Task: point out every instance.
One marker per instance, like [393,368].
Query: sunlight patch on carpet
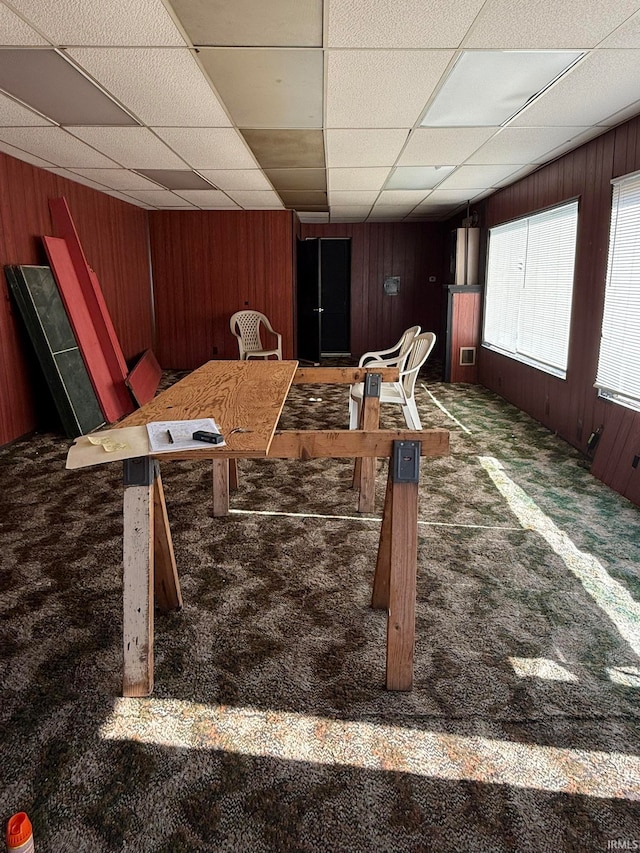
[544,668]
[610,595]
[287,736]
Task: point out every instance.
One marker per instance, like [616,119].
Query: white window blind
[530,288]
[618,375]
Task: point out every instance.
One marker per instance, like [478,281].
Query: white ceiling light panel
[94,22]
[511,77]
[161,86]
[367,148]
[56,146]
[131,147]
[381,88]
[205,148]
[399,23]
[417,177]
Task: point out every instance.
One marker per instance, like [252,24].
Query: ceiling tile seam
[26,21]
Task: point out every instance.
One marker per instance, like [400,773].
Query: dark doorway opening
[324,298]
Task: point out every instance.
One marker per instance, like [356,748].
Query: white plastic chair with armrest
[401,392]
[400,350]
[245,325]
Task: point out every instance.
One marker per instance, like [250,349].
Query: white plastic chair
[245,325]
[400,349]
[401,392]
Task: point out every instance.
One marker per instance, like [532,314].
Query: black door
[335,276]
[309,306]
[324,297]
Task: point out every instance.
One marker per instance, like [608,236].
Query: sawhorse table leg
[149,569]
[394,586]
[364,470]
[220,487]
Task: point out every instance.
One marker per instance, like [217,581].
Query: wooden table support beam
[394,586]
[149,569]
[364,469]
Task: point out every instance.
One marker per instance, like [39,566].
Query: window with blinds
[618,375]
[529,288]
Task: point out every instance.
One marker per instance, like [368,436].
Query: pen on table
[169,436]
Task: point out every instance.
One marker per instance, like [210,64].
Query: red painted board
[82,325]
[94,299]
[144,378]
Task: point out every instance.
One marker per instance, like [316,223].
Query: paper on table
[181,432]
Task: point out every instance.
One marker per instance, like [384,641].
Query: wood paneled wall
[414,251]
[572,407]
[208,265]
[114,238]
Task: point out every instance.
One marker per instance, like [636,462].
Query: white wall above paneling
[274,102]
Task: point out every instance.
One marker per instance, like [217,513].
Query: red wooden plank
[82,325]
[94,299]
[144,378]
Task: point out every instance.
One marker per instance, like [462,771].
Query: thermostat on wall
[392,285]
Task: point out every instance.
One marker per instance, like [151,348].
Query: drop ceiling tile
[305,216]
[268,87]
[13,114]
[381,88]
[311,208]
[161,86]
[160,199]
[434,146]
[355,211]
[399,23]
[368,148]
[15,31]
[208,147]
[208,199]
[56,146]
[603,83]
[286,148]
[620,116]
[118,22]
[513,177]
[129,199]
[357,179]
[307,199]
[388,214]
[574,142]
[449,197]
[478,177]
[626,35]
[397,198]
[47,82]
[24,155]
[117,179]
[256,200]
[237,179]
[177,179]
[360,198]
[293,23]
[546,24]
[297,179]
[79,179]
[131,147]
[525,144]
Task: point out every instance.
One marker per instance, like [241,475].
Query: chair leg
[411,415]
[354,413]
